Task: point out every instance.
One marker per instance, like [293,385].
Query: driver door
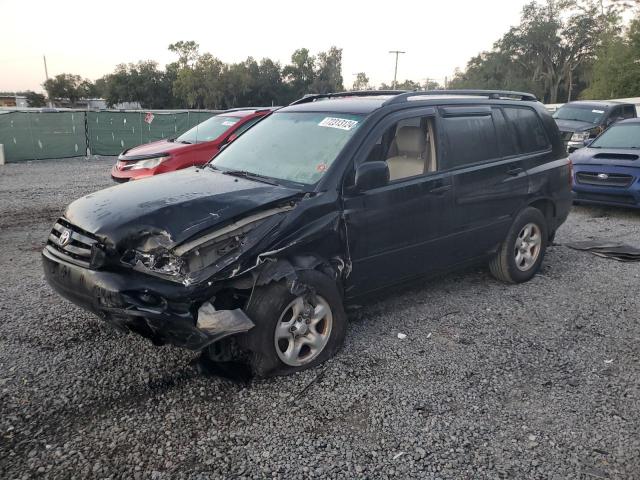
[397,231]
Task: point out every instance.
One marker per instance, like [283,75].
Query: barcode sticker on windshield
[597,111]
[341,123]
[228,123]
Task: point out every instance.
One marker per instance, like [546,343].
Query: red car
[194,147]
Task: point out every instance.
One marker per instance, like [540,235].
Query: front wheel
[294,332]
[520,255]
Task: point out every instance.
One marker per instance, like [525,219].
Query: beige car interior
[412,152]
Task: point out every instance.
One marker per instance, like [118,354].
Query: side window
[629,111]
[241,129]
[408,147]
[615,114]
[528,127]
[507,141]
[469,139]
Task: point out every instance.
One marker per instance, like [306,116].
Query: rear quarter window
[529,131]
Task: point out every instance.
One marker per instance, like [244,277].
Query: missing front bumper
[159,310]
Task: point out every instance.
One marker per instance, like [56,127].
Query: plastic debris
[402,336]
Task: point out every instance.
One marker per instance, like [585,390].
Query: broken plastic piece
[218,324]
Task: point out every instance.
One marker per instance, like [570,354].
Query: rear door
[481,151]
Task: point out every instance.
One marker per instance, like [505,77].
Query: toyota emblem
[603,176]
[65,238]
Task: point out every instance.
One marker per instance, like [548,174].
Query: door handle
[439,190]
[514,172]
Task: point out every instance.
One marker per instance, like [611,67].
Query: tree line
[560,50]
[200,80]
[563,50]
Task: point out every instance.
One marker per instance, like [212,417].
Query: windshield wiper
[250,176]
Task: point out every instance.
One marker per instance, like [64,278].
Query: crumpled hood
[172,207]
[606,156]
[573,125]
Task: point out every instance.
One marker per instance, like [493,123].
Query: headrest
[410,141]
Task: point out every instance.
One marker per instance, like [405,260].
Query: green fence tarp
[40,135]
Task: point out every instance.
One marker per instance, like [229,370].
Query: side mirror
[371,175]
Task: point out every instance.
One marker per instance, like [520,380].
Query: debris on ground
[608,249]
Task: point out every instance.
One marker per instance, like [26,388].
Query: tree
[554,39]
[201,86]
[269,88]
[34,99]
[328,72]
[140,82]
[187,52]
[299,74]
[361,82]
[408,85]
[66,86]
[549,52]
[616,72]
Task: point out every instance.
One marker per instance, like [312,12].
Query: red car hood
[161,146]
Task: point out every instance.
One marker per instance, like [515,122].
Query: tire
[510,267]
[274,306]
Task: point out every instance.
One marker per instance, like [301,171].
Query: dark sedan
[607,172]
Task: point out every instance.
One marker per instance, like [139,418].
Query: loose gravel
[540,380]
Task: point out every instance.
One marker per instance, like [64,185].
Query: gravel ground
[540,380]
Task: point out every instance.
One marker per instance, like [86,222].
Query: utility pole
[46,74]
[395,72]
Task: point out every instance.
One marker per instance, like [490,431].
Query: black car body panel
[194,199]
[159,253]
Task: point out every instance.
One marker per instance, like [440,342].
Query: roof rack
[312,97]
[491,94]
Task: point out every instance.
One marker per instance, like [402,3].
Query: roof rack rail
[491,94]
[312,97]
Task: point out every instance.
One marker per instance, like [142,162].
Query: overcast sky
[90,38]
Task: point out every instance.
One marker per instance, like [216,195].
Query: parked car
[582,121]
[607,171]
[194,147]
[328,200]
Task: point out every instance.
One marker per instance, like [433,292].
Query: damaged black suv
[332,198]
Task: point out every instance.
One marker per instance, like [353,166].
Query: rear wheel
[294,332]
[521,254]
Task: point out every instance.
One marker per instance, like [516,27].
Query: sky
[89,38]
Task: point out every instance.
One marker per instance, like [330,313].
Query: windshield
[588,114]
[619,136]
[297,147]
[208,130]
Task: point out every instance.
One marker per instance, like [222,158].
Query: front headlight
[580,136]
[160,261]
[148,163]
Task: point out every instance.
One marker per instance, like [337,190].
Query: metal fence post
[86,134]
